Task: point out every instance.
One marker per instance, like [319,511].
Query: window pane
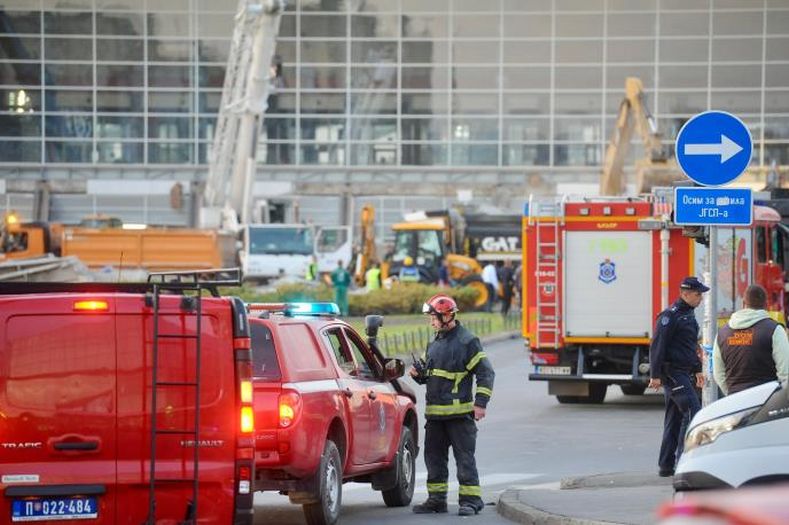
[616,76]
[68,23]
[636,51]
[330,77]
[68,151]
[169,102]
[323,103]
[684,24]
[684,103]
[119,76]
[425,51]
[287,26]
[322,5]
[209,102]
[170,153]
[475,77]
[575,103]
[464,128]
[119,50]
[323,25]
[526,130]
[214,25]
[281,103]
[776,152]
[119,23]
[212,76]
[777,22]
[20,74]
[475,103]
[579,51]
[527,26]
[20,100]
[278,128]
[69,75]
[214,50]
[684,50]
[172,128]
[77,126]
[631,24]
[527,103]
[740,23]
[373,103]
[737,49]
[526,155]
[171,24]
[23,22]
[528,52]
[379,77]
[326,154]
[777,76]
[479,52]
[322,52]
[737,102]
[736,76]
[424,154]
[20,125]
[69,100]
[374,154]
[578,129]
[420,103]
[475,26]
[20,48]
[68,48]
[577,155]
[120,152]
[475,155]
[683,76]
[118,127]
[169,76]
[17,151]
[169,50]
[576,26]
[424,128]
[426,26]
[776,128]
[527,77]
[374,129]
[425,78]
[374,52]
[275,153]
[119,101]
[570,77]
[323,129]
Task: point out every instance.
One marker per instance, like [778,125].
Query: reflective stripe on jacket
[453,359]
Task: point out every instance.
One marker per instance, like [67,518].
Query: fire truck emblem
[607,271]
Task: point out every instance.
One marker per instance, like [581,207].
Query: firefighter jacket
[452,359]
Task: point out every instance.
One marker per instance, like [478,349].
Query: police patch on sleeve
[664,320]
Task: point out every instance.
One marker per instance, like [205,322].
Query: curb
[510,507]
[614,480]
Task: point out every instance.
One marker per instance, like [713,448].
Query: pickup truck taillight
[289,407]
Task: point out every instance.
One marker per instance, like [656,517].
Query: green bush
[400,299]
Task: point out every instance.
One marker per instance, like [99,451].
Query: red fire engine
[598,271]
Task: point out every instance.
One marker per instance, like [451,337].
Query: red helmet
[440,304]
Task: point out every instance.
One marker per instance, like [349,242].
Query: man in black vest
[751,349]
[675,365]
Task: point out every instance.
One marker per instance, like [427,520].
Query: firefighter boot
[466,509]
[431,506]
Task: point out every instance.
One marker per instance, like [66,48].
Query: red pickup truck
[329,409]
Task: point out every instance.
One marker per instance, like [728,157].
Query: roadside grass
[403,334]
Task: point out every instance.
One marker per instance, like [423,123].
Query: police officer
[452,407]
[673,363]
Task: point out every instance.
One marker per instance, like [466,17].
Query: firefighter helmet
[440,304]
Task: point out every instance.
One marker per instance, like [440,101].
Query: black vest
[748,355]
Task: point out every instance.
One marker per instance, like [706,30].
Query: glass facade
[382,83]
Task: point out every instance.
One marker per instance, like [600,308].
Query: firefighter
[452,406]
[673,364]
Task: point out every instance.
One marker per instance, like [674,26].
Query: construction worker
[452,406]
[312,270]
[409,273]
[372,277]
[341,280]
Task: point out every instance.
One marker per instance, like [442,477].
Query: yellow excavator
[365,255]
[657,167]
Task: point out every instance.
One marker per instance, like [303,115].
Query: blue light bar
[312,309]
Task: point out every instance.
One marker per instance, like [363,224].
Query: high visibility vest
[372,278]
[312,272]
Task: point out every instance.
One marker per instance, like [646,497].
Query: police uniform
[673,359]
[452,359]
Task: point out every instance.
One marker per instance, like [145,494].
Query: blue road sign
[714,148]
[713,206]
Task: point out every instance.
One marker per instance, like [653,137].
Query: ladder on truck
[547,216]
[181,283]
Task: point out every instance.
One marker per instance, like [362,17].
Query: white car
[742,439]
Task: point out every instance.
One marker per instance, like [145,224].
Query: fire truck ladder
[548,217]
[180,282]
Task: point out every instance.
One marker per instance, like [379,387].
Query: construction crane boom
[244,101]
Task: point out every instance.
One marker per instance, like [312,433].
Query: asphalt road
[527,439]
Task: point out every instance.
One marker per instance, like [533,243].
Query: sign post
[713,149]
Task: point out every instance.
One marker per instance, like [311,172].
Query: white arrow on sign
[726,149]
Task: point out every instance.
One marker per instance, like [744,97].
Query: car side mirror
[393,368]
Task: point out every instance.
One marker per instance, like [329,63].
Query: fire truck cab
[598,271]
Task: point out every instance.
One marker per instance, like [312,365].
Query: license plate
[553,370]
[54,508]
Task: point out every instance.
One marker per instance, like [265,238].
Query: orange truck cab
[125,403]
[329,409]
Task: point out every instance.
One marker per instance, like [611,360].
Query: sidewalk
[619,498]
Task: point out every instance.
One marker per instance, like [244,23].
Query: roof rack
[177,281]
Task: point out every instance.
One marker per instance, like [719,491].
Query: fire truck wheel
[401,494]
[326,511]
[633,390]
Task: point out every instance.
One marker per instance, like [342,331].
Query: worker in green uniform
[341,280]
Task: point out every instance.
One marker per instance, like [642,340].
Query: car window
[340,349]
[264,356]
[365,362]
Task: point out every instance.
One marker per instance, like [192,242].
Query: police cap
[693,283]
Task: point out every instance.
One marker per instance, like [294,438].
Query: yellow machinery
[656,168]
[365,255]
